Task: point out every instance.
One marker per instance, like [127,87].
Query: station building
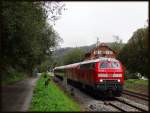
[101,50]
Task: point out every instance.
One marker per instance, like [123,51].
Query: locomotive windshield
[107,64]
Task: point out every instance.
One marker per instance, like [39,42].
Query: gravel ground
[17,97]
[89,103]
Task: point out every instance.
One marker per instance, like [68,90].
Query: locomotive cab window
[104,65]
[113,65]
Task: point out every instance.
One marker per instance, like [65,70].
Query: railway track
[133,104]
[115,106]
[136,95]
[121,104]
[125,105]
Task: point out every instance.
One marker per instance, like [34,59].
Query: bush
[129,75]
[132,76]
[44,75]
[126,75]
[12,76]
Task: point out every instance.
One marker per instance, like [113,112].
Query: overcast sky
[83,22]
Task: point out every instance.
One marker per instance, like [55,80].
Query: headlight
[117,75]
[101,80]
[103,75]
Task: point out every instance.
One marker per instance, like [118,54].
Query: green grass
[136,85]
[12,77]
[51,98]
[137,81]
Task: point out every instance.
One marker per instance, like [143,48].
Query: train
[101,76]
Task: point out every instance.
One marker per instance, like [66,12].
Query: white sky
[83,22]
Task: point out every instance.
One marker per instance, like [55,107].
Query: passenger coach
[102,76]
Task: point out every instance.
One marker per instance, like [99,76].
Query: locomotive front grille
[109,84]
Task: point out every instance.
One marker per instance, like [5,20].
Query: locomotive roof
[86,62]
[67,66]
[99,59]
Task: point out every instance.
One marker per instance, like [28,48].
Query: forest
[28,39]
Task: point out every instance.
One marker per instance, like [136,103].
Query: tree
[134,54]
[117,44]
[74,56]
[27,37]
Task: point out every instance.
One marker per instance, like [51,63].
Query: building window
[94,52]
[99,52]
[106,52]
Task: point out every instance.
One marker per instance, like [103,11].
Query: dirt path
[17,97]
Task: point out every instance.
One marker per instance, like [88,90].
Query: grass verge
[51,98]
[137,85]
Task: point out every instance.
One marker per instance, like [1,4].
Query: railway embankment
[49,97]
[137,85]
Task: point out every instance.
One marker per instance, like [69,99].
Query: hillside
[62,51]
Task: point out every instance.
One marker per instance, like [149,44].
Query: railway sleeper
[115,106]
[134,106]
[137,96]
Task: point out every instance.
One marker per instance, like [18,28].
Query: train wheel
[118,94]
[83,86]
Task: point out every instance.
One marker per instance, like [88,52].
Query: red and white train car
[100,75]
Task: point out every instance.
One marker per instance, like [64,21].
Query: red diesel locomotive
[102,75]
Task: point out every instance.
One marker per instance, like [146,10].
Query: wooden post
[65,82]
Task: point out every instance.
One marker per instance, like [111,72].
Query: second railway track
[136,95]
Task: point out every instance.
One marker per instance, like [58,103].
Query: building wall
[101,51]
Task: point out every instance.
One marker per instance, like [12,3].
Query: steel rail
[130,105]
[137,96]
[115,106]
[140,94]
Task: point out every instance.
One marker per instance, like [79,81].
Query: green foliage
[44,75]
[132,76]
[139,82]
[12,76]
[116,45]
[51,98]
[74,56]
[57,61]
[134,55]
[27,37]
[45,65]
[136,85]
